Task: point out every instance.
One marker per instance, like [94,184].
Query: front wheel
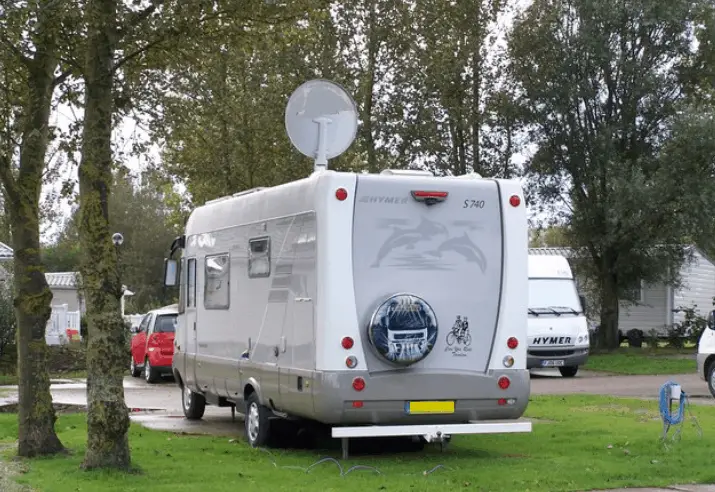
[257,420]
[194,404]
[151,375]
[569,371]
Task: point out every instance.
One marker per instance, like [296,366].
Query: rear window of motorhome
[165,323]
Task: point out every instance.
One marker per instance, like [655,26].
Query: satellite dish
[321,120]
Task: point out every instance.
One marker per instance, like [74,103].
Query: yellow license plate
[429,407]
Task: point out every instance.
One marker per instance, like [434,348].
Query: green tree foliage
[142,213]
[601,85]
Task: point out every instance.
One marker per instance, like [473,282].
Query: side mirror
[170,269]
[711,320]
[134,329]
[582,299]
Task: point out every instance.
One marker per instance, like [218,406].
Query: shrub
[689,329]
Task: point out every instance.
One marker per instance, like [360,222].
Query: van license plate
[421,407]
[552,363]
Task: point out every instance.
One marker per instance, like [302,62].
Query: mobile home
[381,305]
[389,300]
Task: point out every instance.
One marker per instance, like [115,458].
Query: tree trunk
[36,414]
[107,415]
[608,337]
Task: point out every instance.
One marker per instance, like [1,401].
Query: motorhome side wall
[266,314]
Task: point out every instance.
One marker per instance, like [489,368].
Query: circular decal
[403,329]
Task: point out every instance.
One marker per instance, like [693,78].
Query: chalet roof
[61,280]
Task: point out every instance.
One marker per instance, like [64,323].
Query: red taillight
[341,194]
[512,343]
[347,343]
[503,382]
[422,195]
[357,404]
[358,384]
[514,200]
[501,401]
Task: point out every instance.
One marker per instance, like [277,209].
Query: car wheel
[257,420]
[711,378]
[568,371]
[194,404]
[133,369]
[150,374]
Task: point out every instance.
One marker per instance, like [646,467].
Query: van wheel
[194,404]
[134,370]
[711,378]
[568,371]
[258,424]
[150,374]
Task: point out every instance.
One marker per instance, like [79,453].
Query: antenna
[321,120]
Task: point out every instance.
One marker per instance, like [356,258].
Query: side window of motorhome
[259,257]
[182,286]
[191,283]
[216,284]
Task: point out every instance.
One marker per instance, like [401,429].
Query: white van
[558,329]
[706,353]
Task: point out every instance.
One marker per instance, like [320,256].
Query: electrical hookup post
[672,395]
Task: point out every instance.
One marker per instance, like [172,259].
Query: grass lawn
[586,442]
[11,379]
[643,361]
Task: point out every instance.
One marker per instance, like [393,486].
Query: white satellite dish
[321,120]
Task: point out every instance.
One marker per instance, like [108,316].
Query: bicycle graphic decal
[459,340]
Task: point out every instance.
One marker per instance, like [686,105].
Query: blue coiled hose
[668,418]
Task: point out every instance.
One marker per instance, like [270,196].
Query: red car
[153,344]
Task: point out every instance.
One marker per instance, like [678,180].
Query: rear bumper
[160,362]
[476,397]
[571,356]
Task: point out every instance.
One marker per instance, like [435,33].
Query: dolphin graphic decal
[409,237]
[464,246]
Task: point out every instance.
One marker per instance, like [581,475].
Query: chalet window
[259,257]
[216,284]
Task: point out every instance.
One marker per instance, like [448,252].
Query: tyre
[151,375]
[194,404]
[568,371]
[257,422]
[133,369]
[711,377]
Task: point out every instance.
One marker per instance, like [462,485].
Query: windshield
[165,323]
[553,296]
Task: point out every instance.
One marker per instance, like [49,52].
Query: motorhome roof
[551,266]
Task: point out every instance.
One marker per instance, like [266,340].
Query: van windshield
[553,296]
[165,323]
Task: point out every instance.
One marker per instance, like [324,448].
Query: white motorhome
[381,305]
[558,329]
